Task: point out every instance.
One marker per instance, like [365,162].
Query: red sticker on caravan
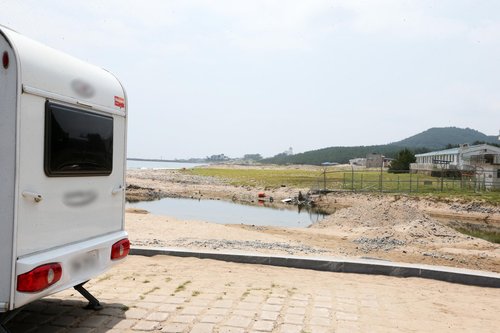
[119,102]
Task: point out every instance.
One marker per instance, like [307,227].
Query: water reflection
[223,212]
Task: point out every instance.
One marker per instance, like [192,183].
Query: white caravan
[62,172]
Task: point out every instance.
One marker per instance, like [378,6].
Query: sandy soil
[392,227]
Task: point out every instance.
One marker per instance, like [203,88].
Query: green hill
[431,139]
[439,137]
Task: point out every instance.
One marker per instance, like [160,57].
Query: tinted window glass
[77,142]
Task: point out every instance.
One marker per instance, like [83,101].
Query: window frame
[47,153]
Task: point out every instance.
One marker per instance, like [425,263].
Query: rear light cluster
[120,249]
[46,275]
[39,278]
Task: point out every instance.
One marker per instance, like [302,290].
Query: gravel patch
[378,243]
[224,244]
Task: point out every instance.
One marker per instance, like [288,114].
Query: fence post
[442,172]
[361,182]
[324,180]
[398,183]
[380,178]
[417,183]
[410,181]
[352,178]
[343,181]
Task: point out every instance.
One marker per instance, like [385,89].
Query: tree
[402,162]
[252,157]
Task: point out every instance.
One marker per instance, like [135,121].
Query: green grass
[182,287]
[368,181]
[259,178]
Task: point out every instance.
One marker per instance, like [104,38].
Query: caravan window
[77,142]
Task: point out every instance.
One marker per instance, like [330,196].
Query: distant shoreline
[160,160]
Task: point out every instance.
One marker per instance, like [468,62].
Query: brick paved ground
[171,294]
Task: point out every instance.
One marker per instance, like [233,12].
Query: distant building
[359,161]
[482,161]
[374,160]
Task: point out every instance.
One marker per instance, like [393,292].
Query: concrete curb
[339,265]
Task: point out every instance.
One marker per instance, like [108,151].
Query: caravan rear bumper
[80,262]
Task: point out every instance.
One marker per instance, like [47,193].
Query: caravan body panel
[62,166]
[9,89]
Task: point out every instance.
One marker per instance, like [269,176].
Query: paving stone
[269,315]
[263,326]
[350,305]
[54,309]
[326,305]
[192,310]
[120,323]
[157,316]
[228,329]
[167,308]
[214,319]
[288,328]
[53,329]
[346,308]
[346,316]
[183,319]
[323,299]
[296,310]
[293,319]
[275,301]
[112,311]
[239,321]
[350,327]
[202,328]
[37,318]
[146,305]
[217,311]
[199,302]
[78,312]
[247,306]
[175,300]
[320,312]
[155,298]
[135,313]
[37,306]
[272,307]
[300,297]
[175,328]
[223,304]
[107,330]
[94,321]
[297,303]
[64,320]
[320,321]
[320,329]
[254,299]
[145,325]
[245,313]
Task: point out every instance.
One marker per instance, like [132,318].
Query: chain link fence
[406,182]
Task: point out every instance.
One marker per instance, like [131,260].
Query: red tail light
[39,278]
[120,249]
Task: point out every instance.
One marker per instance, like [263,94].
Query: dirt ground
[385,226]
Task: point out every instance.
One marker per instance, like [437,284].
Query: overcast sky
[238,77]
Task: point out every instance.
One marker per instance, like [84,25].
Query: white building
[482,161]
